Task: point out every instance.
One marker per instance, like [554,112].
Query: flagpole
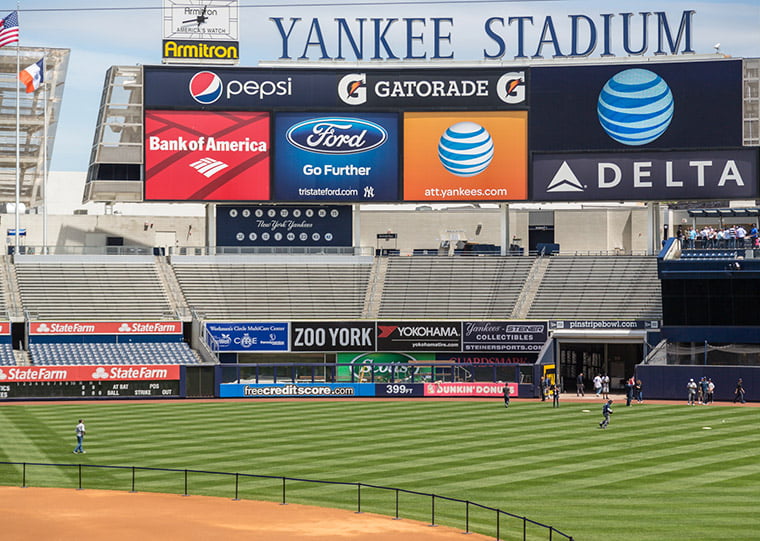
[44,156]
[18,139]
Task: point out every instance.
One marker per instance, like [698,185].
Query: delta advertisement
[284,225]
[336,157]
[39,374]
[629,107]
[207,156]
[504,336]
[467,156]
[243,337]
[641,176]
[47,328]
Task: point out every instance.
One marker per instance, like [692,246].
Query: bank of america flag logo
[208,167]
[564,180]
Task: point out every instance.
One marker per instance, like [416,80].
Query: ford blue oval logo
[336,135]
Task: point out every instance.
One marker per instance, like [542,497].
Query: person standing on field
[507,391]
[80,430]
[606,411]
[598,385]
[691,387]
[579,390]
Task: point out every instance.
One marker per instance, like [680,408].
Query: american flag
[9,29]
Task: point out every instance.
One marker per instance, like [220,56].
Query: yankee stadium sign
[518,35]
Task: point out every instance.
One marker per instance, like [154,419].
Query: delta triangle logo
[564,180]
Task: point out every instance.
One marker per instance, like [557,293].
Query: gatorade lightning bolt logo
[511,87]
[352,88]
[205,87]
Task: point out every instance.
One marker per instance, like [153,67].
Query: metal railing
[502,523]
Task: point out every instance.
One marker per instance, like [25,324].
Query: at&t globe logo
[635,107]
[466,149]
[206,87]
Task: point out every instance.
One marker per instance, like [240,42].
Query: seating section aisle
[453,287]
[276,289]
[599,287]
[91,290]
[112,353]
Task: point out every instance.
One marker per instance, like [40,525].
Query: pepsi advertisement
[334,157]
[243,336]
[657,105]
[284,225]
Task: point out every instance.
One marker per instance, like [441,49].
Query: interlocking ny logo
[208,167]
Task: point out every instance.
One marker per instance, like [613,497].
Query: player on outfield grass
[606,411]
[80,430]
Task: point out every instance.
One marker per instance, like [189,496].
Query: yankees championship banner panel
[243,336]
[332,336]
[206,156]
[284,225]
[268,88]
[466,156]
[47,328]
[503,336]
[336,157]
[419,336]
[658,105]
[638,176]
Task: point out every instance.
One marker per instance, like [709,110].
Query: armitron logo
[206,87]
[336,135]
[208,167]
[227,50]
[352,88]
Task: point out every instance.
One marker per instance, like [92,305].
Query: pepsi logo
[336,135]
[206,87]
[466,149]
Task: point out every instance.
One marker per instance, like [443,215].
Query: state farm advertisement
[466,156]
[5,327]
[469,389]
[206,156]
[88,373]
[104,327]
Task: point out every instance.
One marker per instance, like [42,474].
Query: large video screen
[207,156]
[466,156]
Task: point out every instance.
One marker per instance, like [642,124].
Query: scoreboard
[90,389]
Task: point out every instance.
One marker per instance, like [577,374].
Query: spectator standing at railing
[741,235]
[80,430]
[753,238]
[691,235]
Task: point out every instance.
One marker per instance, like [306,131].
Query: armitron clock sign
[200,31]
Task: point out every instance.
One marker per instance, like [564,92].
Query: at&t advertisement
[336,157]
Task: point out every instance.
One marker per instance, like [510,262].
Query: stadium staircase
[375,289]
[530,287]
[175,296]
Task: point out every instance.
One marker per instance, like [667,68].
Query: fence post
[467,517]
[498,525]
[237,475]
[432,510]
[186,494]
[283,491]
[396,505]
[358,498]
[525,528]
[133,480]
[80,477]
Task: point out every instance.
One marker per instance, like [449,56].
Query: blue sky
[99,39]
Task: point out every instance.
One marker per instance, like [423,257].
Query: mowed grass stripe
[552,465]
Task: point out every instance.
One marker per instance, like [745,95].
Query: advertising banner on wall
[637,176]
[483,389]
[488,358]
[246,337]
[376,366]
[40,374]
[295,390]
[503,336]
[206,156]
[334,157]
[47,328]
[604,324]
[332,336]
[609,107]
[284,225]
[419,336]
[466,156]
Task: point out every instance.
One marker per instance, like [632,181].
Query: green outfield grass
[656,474]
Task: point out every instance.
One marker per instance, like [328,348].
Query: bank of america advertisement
[336,157]
[466,156]
[657,105]
[206,156]
[641,176]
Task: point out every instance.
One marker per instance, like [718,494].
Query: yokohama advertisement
[206,156]
[419,336]
[89,373]
[469,389]
[44,328]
